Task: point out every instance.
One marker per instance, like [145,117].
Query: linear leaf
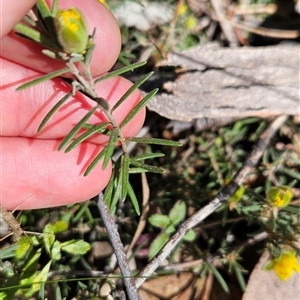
[53,110]
[95,162]
[86,135]
[42,78]
[120,71]
[35,35]
[54,8]
[76,128]
[133,198]
[108,190]
[134,87]
[148,156]
[154,141]
[88,55]
[44,9]
[219,277]
[125,176]
[138,107]
[240,278]
[294,209]
[28,32]
[149,168]
[136,170]
[110,147]
[117,189]
[29,21]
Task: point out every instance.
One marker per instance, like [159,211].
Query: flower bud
[71,30]
[279,196]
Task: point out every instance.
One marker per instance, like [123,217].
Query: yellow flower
[284,265]
[191,22]
[280,196]
[182,9]
[71,30]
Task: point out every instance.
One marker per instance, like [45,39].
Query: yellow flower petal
[286,264]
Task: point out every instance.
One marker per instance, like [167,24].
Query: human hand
[33,173]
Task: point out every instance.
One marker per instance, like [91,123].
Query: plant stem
[89,89]
[117,245]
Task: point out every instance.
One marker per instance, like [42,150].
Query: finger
[12,12]
[36,175]
[22,112]
[107,40]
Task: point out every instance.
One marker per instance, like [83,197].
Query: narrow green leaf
[240,278]
[44,9]
[134,199]
[293,174]
[107,197]
[117,188]
[146,167]
[54,8]
[120,71]
[136,170]
[58,294]
[95,162]
[35,36]
[123,58]
[53,110]
[88,55]
[154,141]
[294,209]
[178,212]
[29,270]
[255,195]
[148,156]
[76,128]
[30,22]
[42,78]
[138,107]
[134,87]
[219,277]
[9,251]
[42,292]
[110,148]
[36,282]
[125,176]
[90,132]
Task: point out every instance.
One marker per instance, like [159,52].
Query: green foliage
[195,174]
[27,256]
[168,225]
[63,33]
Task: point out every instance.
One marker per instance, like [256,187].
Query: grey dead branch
[214,86]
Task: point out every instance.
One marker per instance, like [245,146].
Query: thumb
[12,12]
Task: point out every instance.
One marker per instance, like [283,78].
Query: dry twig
[221,198]
[117,245]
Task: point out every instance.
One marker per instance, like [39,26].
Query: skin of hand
[33,173]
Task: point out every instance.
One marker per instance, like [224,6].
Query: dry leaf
[210,82]
[167,287]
